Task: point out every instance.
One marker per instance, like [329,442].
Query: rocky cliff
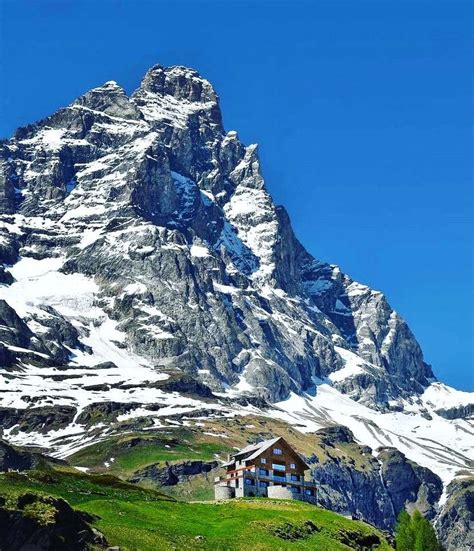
[372,485]
[456,520]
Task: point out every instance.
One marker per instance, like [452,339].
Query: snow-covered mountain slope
[138,241]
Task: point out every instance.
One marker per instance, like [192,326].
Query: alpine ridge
[142,256]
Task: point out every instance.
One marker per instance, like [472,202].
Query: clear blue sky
[362,110]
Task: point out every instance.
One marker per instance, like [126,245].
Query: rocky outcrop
[173,474]
[455,522]
[409,485]
[101,412]
[18,459]
[374,489]
[457,412]
[178,382]
[38,419]
[43,523]
[13,330]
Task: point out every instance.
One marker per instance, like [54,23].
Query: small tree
[415,533]
[425,536]
[404,536]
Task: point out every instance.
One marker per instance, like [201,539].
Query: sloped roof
[253,449]
[256,449]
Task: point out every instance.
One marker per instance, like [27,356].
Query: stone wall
[223,492]
[279,492]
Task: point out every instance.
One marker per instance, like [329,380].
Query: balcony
[279,478]
[271,477]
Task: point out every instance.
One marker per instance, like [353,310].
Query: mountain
[148,279]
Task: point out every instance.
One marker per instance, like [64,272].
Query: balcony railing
[279,478]
[270,477]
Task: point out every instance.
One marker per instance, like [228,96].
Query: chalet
[271,468]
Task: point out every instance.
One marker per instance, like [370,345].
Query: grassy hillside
[206,440]
[123,455]
[138,519]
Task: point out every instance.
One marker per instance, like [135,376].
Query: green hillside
[137,519]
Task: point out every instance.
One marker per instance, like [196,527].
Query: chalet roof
[257,449]
[254,450]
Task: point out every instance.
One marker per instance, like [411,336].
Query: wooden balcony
[282,478]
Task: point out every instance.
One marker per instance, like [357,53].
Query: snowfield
[443,446]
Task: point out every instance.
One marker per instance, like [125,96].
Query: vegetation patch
[294,531]
[123,455]
[355,540]
[42,509]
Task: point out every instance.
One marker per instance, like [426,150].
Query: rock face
[372,488]
[169,213]
[40,523]
[173,474]
[36,419]
[13,458]
[457,412]
[456,520]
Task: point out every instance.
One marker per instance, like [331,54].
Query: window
[249,482]
[292,466]
[295,489]
[278,467]
[263,472]
[263,460]
[263,484]
[277,451]
[309,492]
[294,477]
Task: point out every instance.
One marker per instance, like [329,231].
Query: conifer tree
[425,537]
[415,533]
[404,536]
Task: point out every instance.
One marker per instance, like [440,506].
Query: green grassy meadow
[139,519]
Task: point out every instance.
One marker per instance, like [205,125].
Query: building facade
[271,468]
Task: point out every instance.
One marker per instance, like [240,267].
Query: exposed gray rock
[104,412]
[457,412]
[13,330]
[40,419]
[455,523]
[20,459]
[372,488]
[173,474]
[409,485]
[225,286]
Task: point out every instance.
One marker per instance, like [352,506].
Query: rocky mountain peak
[180,82]
[159,160]
[110,99]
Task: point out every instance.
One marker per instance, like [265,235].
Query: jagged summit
[180,82]
[138,239]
